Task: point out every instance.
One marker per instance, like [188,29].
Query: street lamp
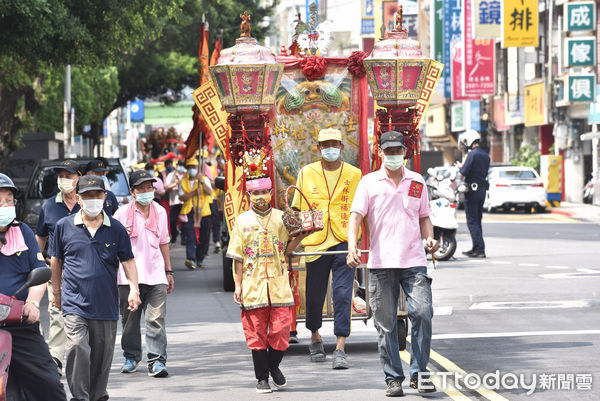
[402,81]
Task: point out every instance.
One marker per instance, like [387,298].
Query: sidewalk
[579,211]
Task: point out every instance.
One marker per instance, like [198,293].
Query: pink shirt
[146,249]
[393,215]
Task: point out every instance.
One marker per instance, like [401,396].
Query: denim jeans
[384,289]
[154,305]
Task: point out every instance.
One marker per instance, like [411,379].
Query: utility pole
[66,110]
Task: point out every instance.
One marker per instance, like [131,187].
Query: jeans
[89,350]
[342,280]
[474,210]
[154,306]
[196,250]
[384,289]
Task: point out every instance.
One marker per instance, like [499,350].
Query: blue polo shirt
[111,204]
[90,265]
[15,268]
[53,209]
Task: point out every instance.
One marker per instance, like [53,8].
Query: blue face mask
[181,169]
[7,215]
[170,168]
[192,172]
[330,154]
[144,198]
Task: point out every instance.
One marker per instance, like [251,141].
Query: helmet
[6,182]
[469,138]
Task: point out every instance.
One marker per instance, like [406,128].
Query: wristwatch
[35,303]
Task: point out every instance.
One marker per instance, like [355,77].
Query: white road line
[531,305]
[529,264]
[514,334]
[593,271]
[442,310]
[476,261]
[570,275]
[557,267]
[500,262]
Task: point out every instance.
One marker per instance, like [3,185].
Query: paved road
[531,307]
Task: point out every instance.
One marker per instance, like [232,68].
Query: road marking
[557,267]
[500,262]
[452,367]
[586,274]
[442,310]
[458,336]
[529,264]
[476,261]
[531,305]
[593,271]
[450,390]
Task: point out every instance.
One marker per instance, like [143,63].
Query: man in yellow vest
[196,199]
[329,185]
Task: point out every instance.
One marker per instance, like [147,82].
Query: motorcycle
[442,202]
[588,192]
[11,312]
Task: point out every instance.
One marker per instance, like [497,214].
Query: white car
[515,186]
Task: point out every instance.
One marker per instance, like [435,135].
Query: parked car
[42,185]
[515,186]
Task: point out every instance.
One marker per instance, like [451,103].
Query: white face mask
[66,185]
[7,215]
[393,162]
[92,207]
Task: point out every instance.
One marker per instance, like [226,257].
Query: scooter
[442,202]
[11,312]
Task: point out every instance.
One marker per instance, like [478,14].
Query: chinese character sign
[580,51]
[580,16]
[452,34]
[437,25]
[535,104]
[581,88]
[487,19]
[520,28]
[478,64]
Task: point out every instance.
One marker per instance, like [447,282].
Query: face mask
[65,185]
[144,198]
[92,207]
[151,172]
[192,172]
[170,168]
[181,169]
[330,154]
[393,162]
[7,215]
[260,200]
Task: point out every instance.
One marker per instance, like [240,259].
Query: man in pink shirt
[147,226]
[394,206]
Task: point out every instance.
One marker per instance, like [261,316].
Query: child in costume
[258,247]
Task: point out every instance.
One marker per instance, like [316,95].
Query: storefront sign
[487,19]
[520,27]
[580,88]
[535,104]
[457,114]
[580,51]
[580,16]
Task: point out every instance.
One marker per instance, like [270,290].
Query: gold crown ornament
[254,162]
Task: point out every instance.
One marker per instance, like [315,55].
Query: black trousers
[215,218]
[474,210]
[31,366]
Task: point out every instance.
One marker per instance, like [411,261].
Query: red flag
[203,55]
[216,52]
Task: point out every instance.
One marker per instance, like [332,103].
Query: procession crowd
[108,261]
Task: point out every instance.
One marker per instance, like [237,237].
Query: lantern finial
[245,25]
[399,19]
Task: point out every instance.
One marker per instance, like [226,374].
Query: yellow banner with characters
[208,103]
[521,23]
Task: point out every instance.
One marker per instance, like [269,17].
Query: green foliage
[94,91]
[527,155]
